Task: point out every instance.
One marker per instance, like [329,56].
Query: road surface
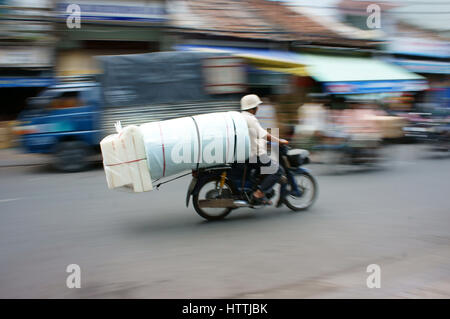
[151,246]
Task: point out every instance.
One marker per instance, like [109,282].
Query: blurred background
[363,85]
[392,63]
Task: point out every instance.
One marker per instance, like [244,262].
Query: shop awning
[354,75]
[270,60]
[11,81]
[421,66]
[338,74]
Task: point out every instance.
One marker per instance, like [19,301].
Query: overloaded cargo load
[137,156]
[125,160]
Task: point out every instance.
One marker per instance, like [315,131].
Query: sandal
[260,201]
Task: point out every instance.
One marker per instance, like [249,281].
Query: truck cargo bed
[143,114]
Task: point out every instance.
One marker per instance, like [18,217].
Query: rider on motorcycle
[258,148]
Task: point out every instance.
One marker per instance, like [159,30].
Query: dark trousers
[268,180]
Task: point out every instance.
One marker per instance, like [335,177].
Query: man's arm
[262,133]
[275,139]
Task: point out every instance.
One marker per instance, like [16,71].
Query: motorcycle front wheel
[308,186]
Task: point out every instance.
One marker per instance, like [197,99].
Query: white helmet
[250,101]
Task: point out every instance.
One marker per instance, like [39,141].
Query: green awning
[338,74]
[355,75]
[325,68]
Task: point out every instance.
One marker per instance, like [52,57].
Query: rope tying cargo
[133,161]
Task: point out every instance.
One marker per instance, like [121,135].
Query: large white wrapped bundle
[125,160]
[174,146]
[177,145]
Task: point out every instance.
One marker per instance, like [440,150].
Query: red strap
[133,161]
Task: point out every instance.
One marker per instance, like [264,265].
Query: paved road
[151,246]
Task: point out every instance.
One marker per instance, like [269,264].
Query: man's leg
[268,181]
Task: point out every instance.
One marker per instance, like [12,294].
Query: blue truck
[68,120]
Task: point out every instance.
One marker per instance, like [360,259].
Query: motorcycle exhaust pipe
[222,203]
[241,203]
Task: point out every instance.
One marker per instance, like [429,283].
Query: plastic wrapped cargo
[125,160]
[171,147]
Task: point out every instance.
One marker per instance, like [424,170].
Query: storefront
[114,28]
[24,71]
[337,74]
[429,58]
[437,74]
[293,75]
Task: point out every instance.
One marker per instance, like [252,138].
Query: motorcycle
[431,130]
[354,149]
[217,191]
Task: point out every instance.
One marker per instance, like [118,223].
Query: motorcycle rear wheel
[212,214]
